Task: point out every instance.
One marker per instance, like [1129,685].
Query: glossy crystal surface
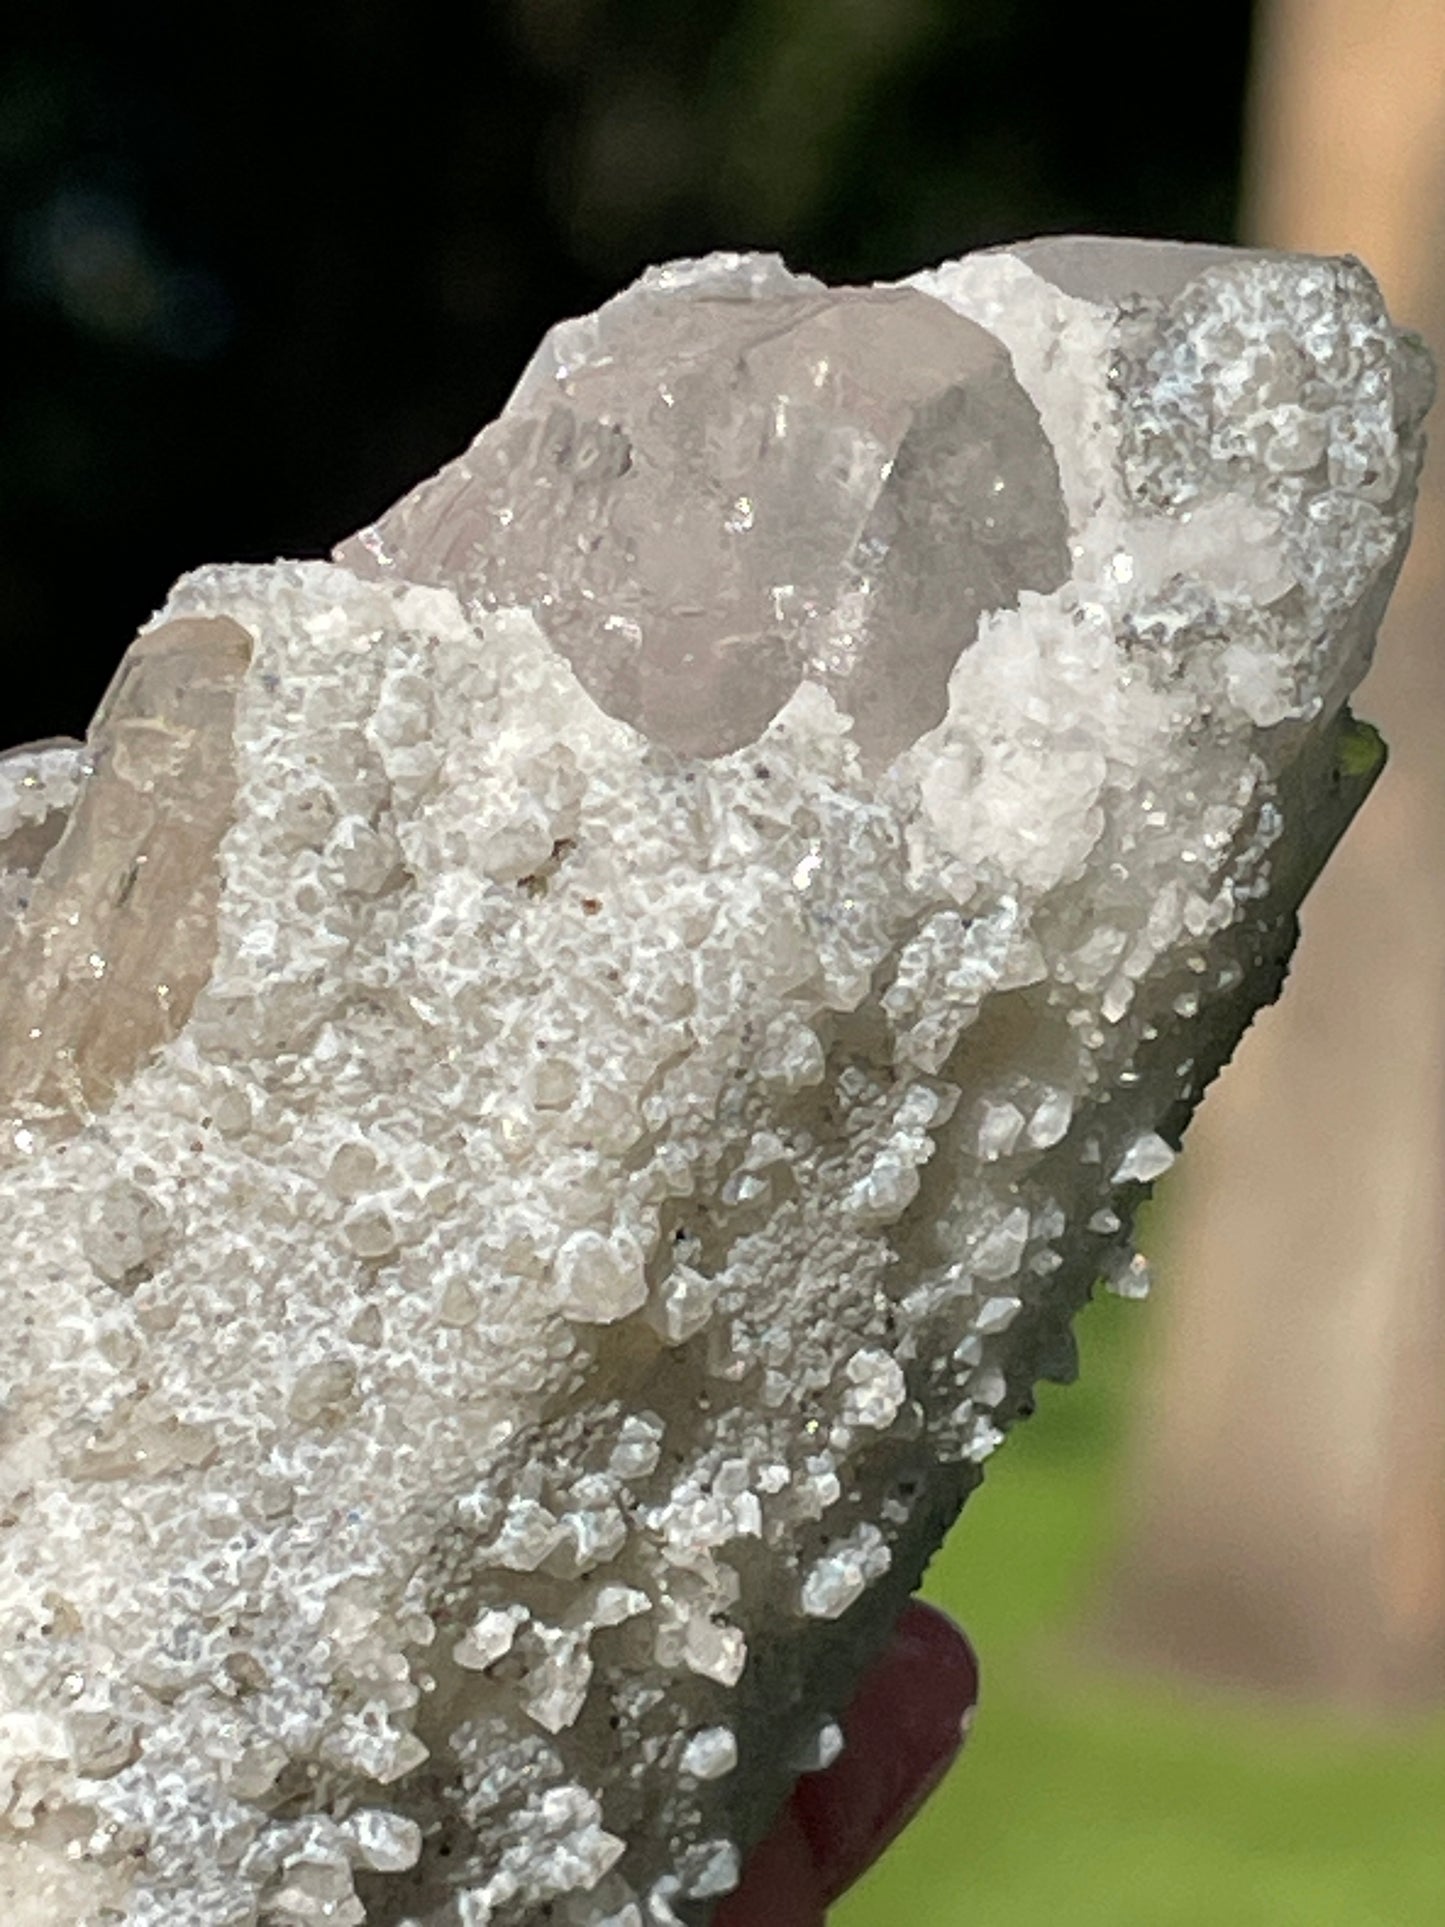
[721,496]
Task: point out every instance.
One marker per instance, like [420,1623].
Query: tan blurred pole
[1289,1530]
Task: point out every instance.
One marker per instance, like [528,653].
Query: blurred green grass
[1085,1798]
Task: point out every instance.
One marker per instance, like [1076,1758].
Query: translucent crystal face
[119,932]
[731,494]
[1106,267]
[38,784]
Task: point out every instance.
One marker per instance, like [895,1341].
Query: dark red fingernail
[903,1731]
[780,1887]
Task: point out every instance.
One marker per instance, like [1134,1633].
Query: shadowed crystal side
[119,931]
[38,787]
[743,493]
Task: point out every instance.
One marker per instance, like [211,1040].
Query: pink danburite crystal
[721,496]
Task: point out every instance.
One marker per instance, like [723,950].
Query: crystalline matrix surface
[565,1072]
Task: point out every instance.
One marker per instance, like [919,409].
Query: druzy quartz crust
[566,1070]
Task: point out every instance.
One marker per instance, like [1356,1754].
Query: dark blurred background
[264,266]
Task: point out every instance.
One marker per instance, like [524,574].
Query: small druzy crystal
[565,1072]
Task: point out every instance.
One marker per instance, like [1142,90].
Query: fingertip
[927,1640]
[780,1887]
[903,1731]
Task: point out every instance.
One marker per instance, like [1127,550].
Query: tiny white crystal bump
[600,1279]
[711,1753]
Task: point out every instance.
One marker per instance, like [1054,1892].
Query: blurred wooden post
[1289,1522]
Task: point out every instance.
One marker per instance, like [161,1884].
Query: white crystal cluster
[568,1070]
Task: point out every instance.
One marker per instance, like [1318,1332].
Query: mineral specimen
[565,1072]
